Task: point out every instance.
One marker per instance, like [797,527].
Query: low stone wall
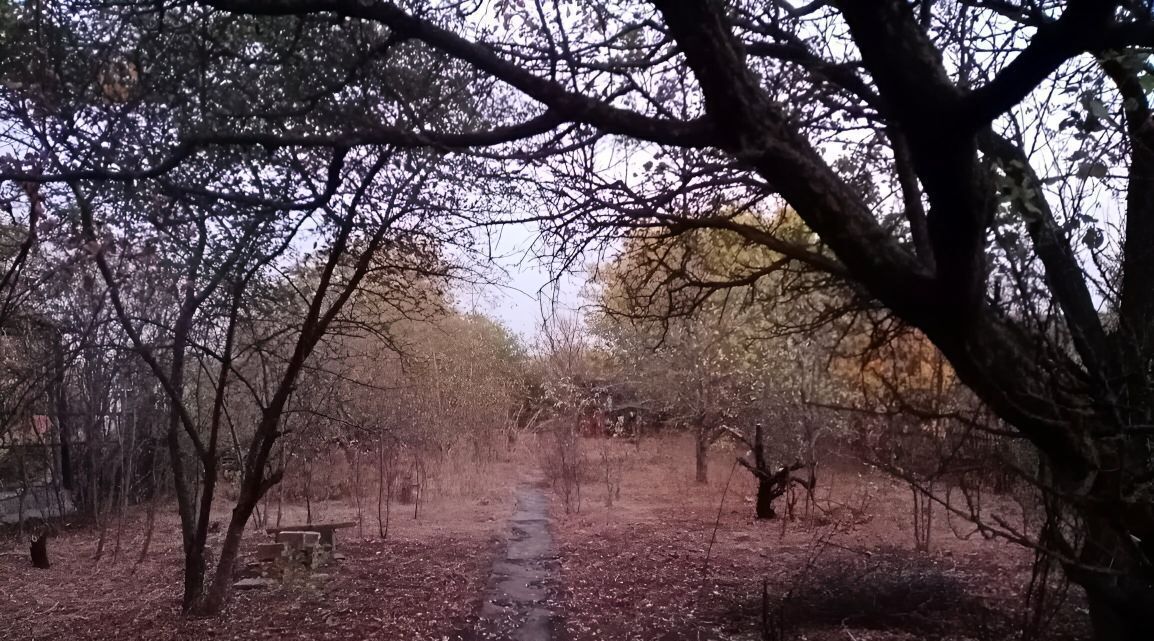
[41,501]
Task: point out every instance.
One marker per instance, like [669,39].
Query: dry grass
[639,570]
[423,582]
[636,570]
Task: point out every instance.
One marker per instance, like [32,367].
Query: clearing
[496,555]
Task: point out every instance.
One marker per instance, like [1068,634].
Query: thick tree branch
[569,105]
[911,197]
[921,99]
[1063,273]
[1085,25]
[756,131]
[382,136]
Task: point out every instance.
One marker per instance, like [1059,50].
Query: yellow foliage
[904,364]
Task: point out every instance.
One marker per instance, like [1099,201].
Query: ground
[424,582]
[663,563]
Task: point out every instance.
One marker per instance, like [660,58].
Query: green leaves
[1095,107]
[1146,80]
[1091,169]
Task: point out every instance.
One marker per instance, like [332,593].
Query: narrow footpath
[518,605]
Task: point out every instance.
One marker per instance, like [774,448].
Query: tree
[221,274]
[689,359]
[771,483]
[186,260]
[950,156]
[708,353]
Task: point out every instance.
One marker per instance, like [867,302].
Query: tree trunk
[388,507]
[121,507]
[153,499]
[1120,598]
[380,488]
[221,587]
[39,551]
[149,525]
[102,516]
[127,474]
[765,497]
[280,492]
[252,490]
[357,490]
[701,452]
[24,489]
[60,402]
[254,485]
[193,578]
[418,489]
[770,485]
[1120,613]
[309,493]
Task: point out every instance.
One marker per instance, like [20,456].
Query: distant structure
[31,486]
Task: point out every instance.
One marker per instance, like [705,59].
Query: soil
[665,563]
[670,560]
[425,581]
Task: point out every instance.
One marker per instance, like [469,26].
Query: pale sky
[528,291]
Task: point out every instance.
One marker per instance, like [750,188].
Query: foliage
[714,353]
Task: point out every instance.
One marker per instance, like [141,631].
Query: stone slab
[298,539]
[254,584]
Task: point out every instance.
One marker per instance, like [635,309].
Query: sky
[524,289]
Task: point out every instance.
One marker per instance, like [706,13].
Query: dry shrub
[474,473]
[614,458]
[564,464]
[889,589]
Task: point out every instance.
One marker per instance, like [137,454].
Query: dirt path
[518,606]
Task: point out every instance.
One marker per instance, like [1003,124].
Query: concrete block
[270,551]
[298,540]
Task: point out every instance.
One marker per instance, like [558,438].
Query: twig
[865,553]
[717,521]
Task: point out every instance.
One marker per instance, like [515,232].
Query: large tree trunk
[1120,609]
[769,485]
[221,587]
[1119,590]
[193,577]
[196,541]
[701,456]
[253,487]
[765,497]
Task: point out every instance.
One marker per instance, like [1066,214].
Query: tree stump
[39,551]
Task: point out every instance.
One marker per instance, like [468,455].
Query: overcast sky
[528,290]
